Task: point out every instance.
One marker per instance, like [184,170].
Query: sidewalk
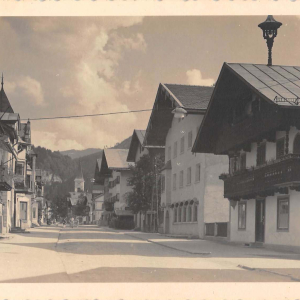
[210,248]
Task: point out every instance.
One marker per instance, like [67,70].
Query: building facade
[192,193]
[112,175]
[253,119]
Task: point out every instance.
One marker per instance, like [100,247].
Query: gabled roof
[270,81]
[137,140]
[194,99]
[117,159]
[191,96]
[271,84]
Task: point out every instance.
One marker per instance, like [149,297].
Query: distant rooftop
[116,158]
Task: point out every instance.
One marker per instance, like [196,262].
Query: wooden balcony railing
[274,176]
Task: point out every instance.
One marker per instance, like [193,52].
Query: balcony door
[260,220]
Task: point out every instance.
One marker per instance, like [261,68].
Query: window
[175,215]
[181,179]
[197,173]
[184,214]
[34,212]
[189,176]
[280,148]
[242,215]
[195,216]
[179,214]
[174,181]
[19,169]
[169,152]
[243,161]
[163,184]
[190,139]
[189,214]
[175,150]
[283,214]
[261,154]
[182,145]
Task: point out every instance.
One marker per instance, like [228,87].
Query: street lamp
[269,28]
[179,113]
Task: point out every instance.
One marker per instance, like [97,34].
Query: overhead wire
[90,115]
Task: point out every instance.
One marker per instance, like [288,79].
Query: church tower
[79,180]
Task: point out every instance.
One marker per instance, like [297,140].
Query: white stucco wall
[216,207]
[212,206]
[243,235]
[290,237]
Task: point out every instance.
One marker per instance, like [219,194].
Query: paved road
[93,254]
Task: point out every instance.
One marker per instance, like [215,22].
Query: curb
[268,271]
[170,247]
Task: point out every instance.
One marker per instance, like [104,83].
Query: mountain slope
[80,153]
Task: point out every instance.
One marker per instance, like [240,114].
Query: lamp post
[269,28]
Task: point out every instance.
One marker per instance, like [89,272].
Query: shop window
[182,145]
[261,154]
[283,210]
[175,215]
[190,139]
[181,179]
[242,215]
[184,213]
[280,148]
[189,176]
[195,216]
[189,214]
[179,213]
[197,173]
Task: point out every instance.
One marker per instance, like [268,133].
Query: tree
[59,207]
[145,183]
[81,208]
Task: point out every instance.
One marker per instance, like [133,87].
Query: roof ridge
[179,84]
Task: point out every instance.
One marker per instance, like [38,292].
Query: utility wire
[93,115]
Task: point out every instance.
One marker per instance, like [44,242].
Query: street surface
[90,254]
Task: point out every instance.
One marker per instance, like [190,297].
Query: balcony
[264,180]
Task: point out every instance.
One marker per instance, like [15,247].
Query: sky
[62,66]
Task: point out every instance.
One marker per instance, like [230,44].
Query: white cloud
[194,77]
[27,86]
[33,89]
[130,88]
[50,140]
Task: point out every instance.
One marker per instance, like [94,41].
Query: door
[167,220]
[23,210]
[260,221]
